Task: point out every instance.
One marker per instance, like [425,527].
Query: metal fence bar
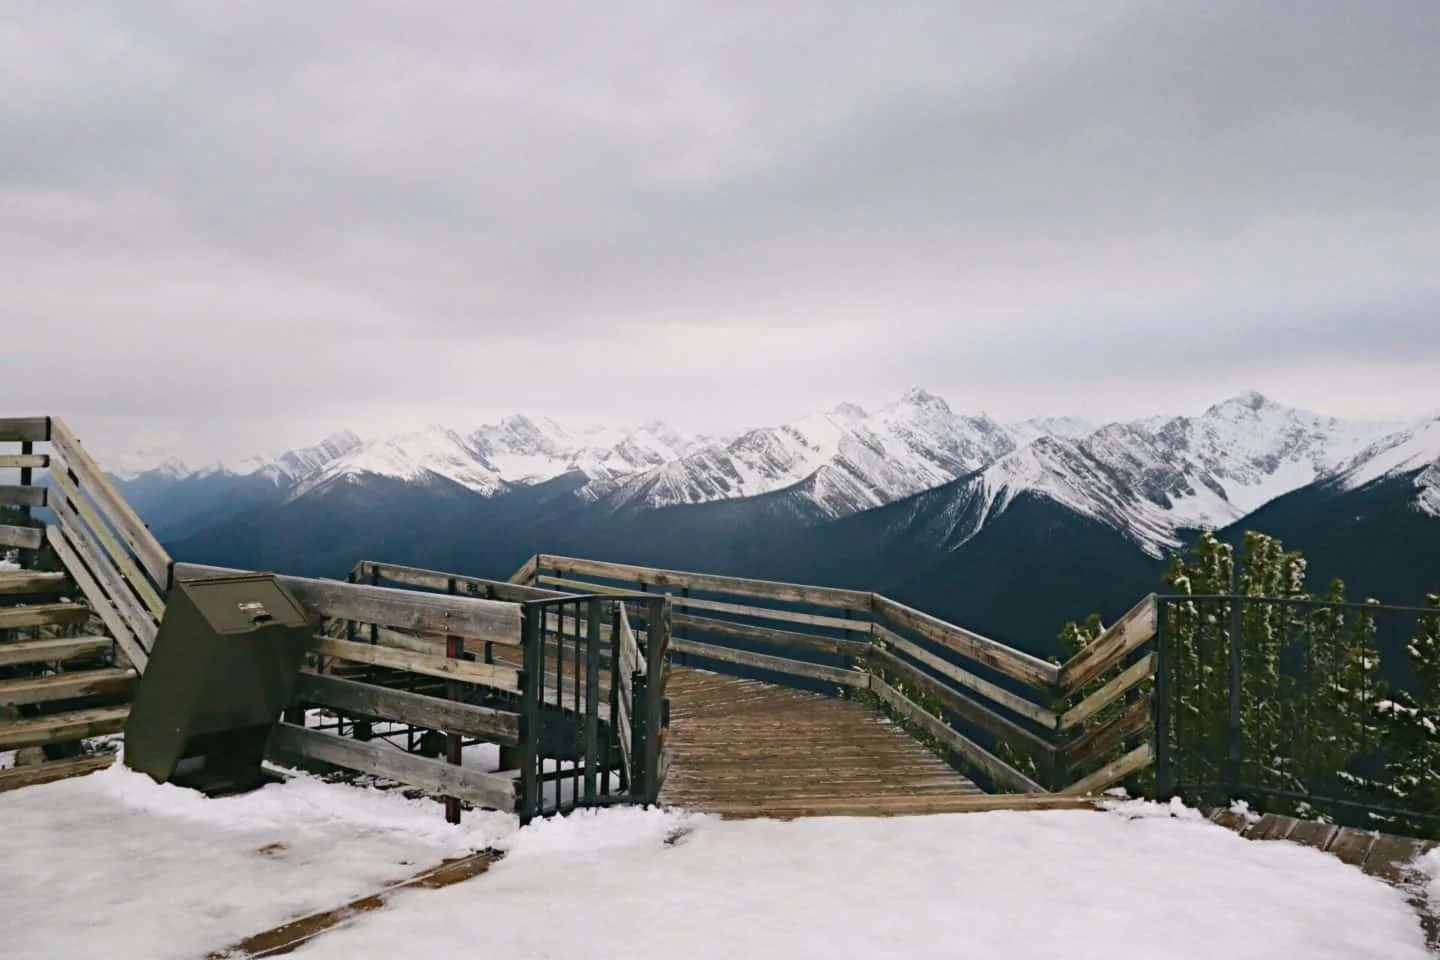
[1275,699]
[657,634]
[1161,703]
[532,686]
[617,612]
[592,698]
[1234,730]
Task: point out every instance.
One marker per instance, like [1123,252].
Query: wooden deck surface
[742,747]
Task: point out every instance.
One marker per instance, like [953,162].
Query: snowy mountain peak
[432,452]
[841,461]
[301,463]
[1412,451]
[1070,428]
[1251,400]
[148,462]
[1149,478]
[919,396]
[849,411]
[173,467]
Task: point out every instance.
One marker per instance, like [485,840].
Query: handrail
[513,592]
[1028,669]
[1124,636]
[121,569]
[130,527]
[855,600]
[493,621]
[1027,709]
[854,640]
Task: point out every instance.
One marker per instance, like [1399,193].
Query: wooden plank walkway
[747,748]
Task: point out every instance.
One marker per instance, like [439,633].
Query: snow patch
[301,802]
[114,867]
[1018,885]
[1405,451]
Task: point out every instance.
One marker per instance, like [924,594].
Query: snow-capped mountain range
[1149,478]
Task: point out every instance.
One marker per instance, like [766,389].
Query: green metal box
[222,668]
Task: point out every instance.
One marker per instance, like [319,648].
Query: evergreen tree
[1197,645]
[1270,631]
[1410,723]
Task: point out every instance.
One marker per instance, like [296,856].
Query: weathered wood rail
[1013,721]
[566,666]
[523,673]
[72,641]
[120,568]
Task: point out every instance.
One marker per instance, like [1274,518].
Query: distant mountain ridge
[961,511]
[1148,479]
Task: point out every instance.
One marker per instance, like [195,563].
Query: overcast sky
[231,227]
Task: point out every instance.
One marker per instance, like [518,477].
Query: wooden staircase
[73,641]
[62,679]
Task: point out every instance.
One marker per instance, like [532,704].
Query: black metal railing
[1291,704]
[592,714]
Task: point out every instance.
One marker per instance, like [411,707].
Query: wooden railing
[1019,722]
[370,621]
[116,562]
[624,683]
[474,661]
[1022,723]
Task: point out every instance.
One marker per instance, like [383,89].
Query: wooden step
[53,650]
[60,727]
[52,770]
[32,583]
[65,686]
[43,615]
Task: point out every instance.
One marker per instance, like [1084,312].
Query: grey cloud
[444,201]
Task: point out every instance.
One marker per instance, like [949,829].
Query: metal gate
[593,708]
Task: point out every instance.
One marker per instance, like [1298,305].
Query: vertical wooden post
[454,648]
[375,582]
[848,693]
[1056,771]
[351,577]
[685,631]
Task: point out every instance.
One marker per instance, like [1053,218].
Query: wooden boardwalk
[743,747]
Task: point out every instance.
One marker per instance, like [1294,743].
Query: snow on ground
[1430,864]
[1137,883]
[114,866]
